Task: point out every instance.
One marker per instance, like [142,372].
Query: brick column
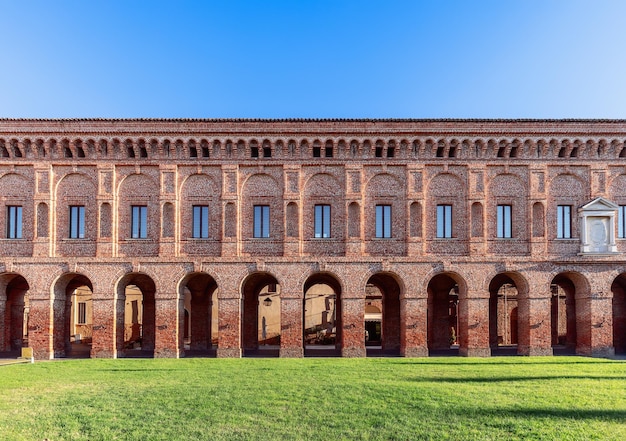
[291,309]
[413,327]
[58,331]
[103,329]
[166,339]
[39,336]
[474,325]
[5,334]
[229,324]
[594,325]
[535,335]
[353,327]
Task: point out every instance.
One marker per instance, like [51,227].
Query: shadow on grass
[539,413]
[512,379]
[492,361]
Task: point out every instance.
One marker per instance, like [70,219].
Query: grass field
[314,399]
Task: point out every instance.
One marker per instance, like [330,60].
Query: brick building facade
[345,237]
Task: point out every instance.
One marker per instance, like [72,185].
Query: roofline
[324,120]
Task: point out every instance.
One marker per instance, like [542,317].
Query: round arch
[260,294]
[135,315]
[569,290]
[322,314]
[383,291]
[72,315]
[199,294]
[618,288]
[14,297]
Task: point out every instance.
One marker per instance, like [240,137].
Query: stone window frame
[322,221]
[261,221]
[504,221]
[445,221]
[564,221]
[15,222]
[384,221]
[76,221]
[139,219]
[200,221]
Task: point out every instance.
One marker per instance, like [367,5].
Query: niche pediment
[597,225]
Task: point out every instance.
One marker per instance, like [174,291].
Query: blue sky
[313,59]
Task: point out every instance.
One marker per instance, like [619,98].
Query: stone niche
[597,226]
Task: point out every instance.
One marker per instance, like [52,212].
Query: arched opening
[443,315]
[382,315]
[72,316]
[14,295]
[200,331]
[503,314]
[261,315]
[322,316]
[619,314]
[136,316]
[563,314]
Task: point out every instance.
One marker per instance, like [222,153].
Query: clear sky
[313,59]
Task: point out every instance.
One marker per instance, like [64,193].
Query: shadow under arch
[261,315]
[446,292]
[14,294]
[198,292]
[322,315]
[618,287]
[72,316]
[506,291]
[382,327]
[135,316]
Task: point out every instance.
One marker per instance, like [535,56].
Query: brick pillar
[353,327]
[4,321]
[39,327]
[474,326]
[535,335]
[166,338]
[413,327]
[120,310]
[229,324]
[291,343]
[595,325]
[103,329]
[59,330]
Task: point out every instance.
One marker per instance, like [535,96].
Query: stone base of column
[353,352]
[42,354]
[603,352]
[102,353]
[291,352]
[534,351]
[415,352]
[228,353]
[475,352]
[166,353]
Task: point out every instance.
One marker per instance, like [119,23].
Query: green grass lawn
[317,399]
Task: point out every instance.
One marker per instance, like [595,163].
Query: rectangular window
[564,222]
[14,222]
[504,221]
[621,222]
[139,222]
[77,222]
[383,221]
[82,313]
[444,221]
[200,221]
[322,221]
[261,221]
